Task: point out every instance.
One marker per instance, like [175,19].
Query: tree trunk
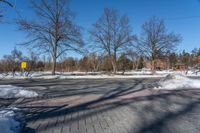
[54,62]
[153,66]
[133,65]
[154,57]
[56,40]
[114,66]
[114,62]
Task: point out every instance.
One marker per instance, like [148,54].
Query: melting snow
[178,81]
[9,91]
[8,122]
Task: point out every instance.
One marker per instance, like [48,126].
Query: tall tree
[112,33]
[155,40]
[52,30]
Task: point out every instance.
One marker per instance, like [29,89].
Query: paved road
[108,106]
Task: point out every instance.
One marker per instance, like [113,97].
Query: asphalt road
[108,106]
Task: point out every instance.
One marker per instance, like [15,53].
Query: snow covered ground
[9,91]
[178,81]
[90,75]
[8,121]
[97,75]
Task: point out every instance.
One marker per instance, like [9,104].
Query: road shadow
[155,111]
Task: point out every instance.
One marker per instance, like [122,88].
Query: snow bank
[8,122]
[9,91]
[110,76]
[97,75]
[142,72]
[178,81]
[93,75]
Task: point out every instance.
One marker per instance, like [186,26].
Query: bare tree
[12,61]
[94,61]
[53,31]
[4,2]
[32,62]
[133,55]
[112,34]
[155,40]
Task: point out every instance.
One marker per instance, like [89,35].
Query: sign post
[23,66]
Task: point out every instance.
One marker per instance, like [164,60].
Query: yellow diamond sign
[23,65]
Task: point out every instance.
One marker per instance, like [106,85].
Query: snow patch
[9,91]
[8,122]
[178,81]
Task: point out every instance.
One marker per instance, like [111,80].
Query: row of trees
[112,41]
[92,62]
[95,63]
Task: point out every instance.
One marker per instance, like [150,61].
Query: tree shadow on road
[154,110]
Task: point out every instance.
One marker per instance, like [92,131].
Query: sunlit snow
[178,81]
[9,91]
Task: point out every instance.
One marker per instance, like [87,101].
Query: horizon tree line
[96,63]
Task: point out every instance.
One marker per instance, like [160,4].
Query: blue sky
[181,16]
